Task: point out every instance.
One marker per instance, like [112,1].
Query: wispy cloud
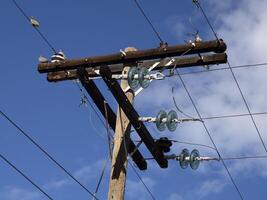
[175,196]
[15,193]
[243,26]
[210,186]
[136,190]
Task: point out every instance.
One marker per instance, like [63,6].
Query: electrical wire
[108,133]
[36,28]
[124,129]
[208,133]
[245,157]
[206,17]
[141,180]
[149,21]
[101,176]
[193,144]
[233,116]
[107,128]
[235,79]
[80,89]
[26,177]
[223,159]
[92,107]
[224,68]
[46,153]
[177,108]
[248,109]
[214,117]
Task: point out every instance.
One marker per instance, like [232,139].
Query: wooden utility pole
[86,69]
[121,145]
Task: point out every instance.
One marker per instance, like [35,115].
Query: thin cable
[124,129]
[248,109]
[101,176]
[92,107]
[36,28]
[107,128]
[26,177]
[206,17]
[140,178]
[234,77]
[176,106]
[245,157]
[46,153]
[223,68]
[234,116]
[207,131]
[149,21]
[108,133]
[194,144]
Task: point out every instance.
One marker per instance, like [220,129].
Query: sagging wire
[46,153]
[127,157]
[193,144]
[224,68]
[25,176]
[208,133]
[142,181]
[162,43]
[196,2]
[35,25]
[234,77]
[101,176]
[108,130]
[84,98]
[179,110]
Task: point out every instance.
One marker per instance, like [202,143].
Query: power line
[234,116]
[46,153]
[108,130]
[225,68]
[235,79]
[36,28]
[125,148]
[127,158]
[245,157]
[149,21]
[194,144]
[248,109]
[206,17]
[101,176]
[207,131]
[108,133]
[144,184]
[92,107]
[26,177]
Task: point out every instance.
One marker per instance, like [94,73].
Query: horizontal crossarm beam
[217,46]
[180,62]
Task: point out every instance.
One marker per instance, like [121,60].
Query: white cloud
[210,186]
[85,174]
[14,193]
[243,27]
[56,184]
[175,197]
[136,190]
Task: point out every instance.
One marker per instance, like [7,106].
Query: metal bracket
[150,69]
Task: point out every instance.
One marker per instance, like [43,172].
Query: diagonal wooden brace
[98,99]
[133,116]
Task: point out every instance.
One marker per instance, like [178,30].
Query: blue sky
[50,112]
